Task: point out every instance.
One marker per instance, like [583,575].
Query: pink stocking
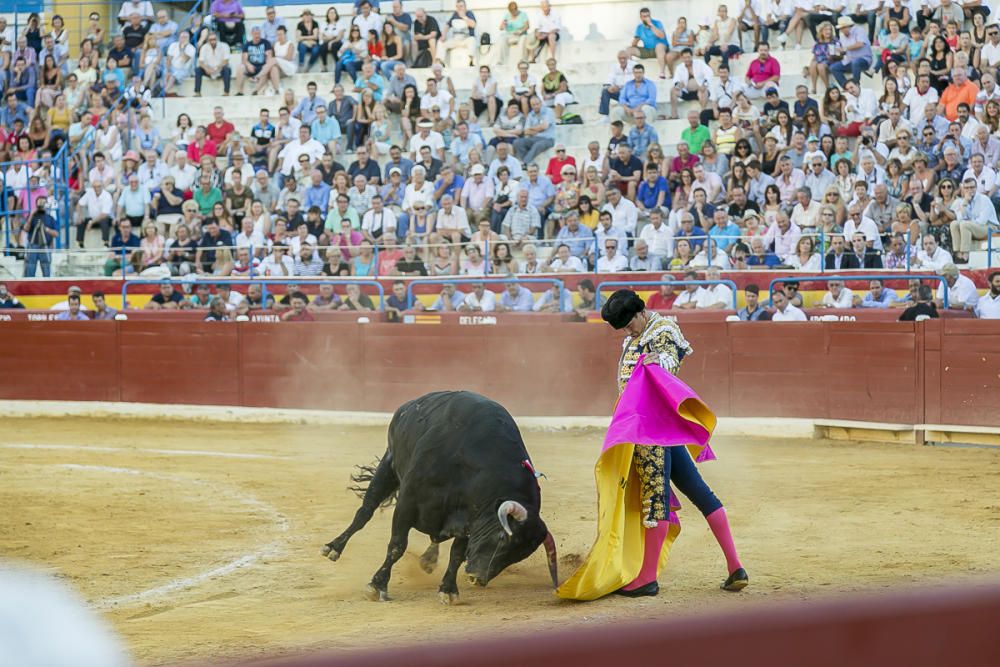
[651,555]
[719,523]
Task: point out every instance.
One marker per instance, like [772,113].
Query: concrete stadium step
[593,72]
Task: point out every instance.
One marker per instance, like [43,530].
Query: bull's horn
[510,508]
[550,553]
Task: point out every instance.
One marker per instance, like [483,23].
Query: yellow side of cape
[616,557]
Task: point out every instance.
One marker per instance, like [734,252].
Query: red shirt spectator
[196,150]
[764,67]
[219,129]
[661,301]
[679,164]
[301,316]
[387,258]
[557,162]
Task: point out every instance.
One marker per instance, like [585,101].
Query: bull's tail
[377,485]
[372,479]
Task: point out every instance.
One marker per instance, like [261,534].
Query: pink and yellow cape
[656,408]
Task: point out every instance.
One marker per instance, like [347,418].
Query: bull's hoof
[448,598]
[429,560]
[330,553]
[376,595]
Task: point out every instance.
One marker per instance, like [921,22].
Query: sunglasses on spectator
[610,247]
[947,186]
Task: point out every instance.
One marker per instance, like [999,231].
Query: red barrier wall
[942,371]
[927,629]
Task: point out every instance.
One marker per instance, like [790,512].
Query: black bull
[460,470]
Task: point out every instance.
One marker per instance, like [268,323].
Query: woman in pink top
[152,245]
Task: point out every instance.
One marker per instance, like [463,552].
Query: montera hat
[623,305]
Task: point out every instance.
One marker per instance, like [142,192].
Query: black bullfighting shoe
[649,590]
[736,582]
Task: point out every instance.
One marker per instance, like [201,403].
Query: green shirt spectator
[695,137]
[206,199]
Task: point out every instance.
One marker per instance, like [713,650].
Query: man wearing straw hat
[857,52]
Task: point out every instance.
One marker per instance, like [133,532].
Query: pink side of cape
[647,413]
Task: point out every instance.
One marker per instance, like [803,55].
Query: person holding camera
[40,231]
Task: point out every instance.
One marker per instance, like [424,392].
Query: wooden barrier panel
[922,629]
[943,372]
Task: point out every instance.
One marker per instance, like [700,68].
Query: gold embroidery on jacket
[662,338]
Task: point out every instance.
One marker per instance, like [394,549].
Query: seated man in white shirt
[932,257]
[564,262]
[479,300]
[711,255]
[838,296]
[784,311]
[612,261]
[988,306]
[658,236]
[378,221]
[962,292]
[692,294]
[717,296]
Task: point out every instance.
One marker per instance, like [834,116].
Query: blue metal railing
[59,191]
[828,278]
[476,279]
[263,282]
[651,283]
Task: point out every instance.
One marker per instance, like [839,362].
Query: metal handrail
[843,278]
[475,279]
[629,283]
[263,282]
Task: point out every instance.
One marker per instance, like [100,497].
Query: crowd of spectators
[386,174]
[694,292]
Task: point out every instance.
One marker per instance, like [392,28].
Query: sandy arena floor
[202,540]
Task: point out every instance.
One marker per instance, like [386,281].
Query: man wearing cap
[763,73]
[477,195]
[426,136]
[962,292]
[857,52]
[655,340]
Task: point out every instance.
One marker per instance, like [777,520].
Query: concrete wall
[942,371]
